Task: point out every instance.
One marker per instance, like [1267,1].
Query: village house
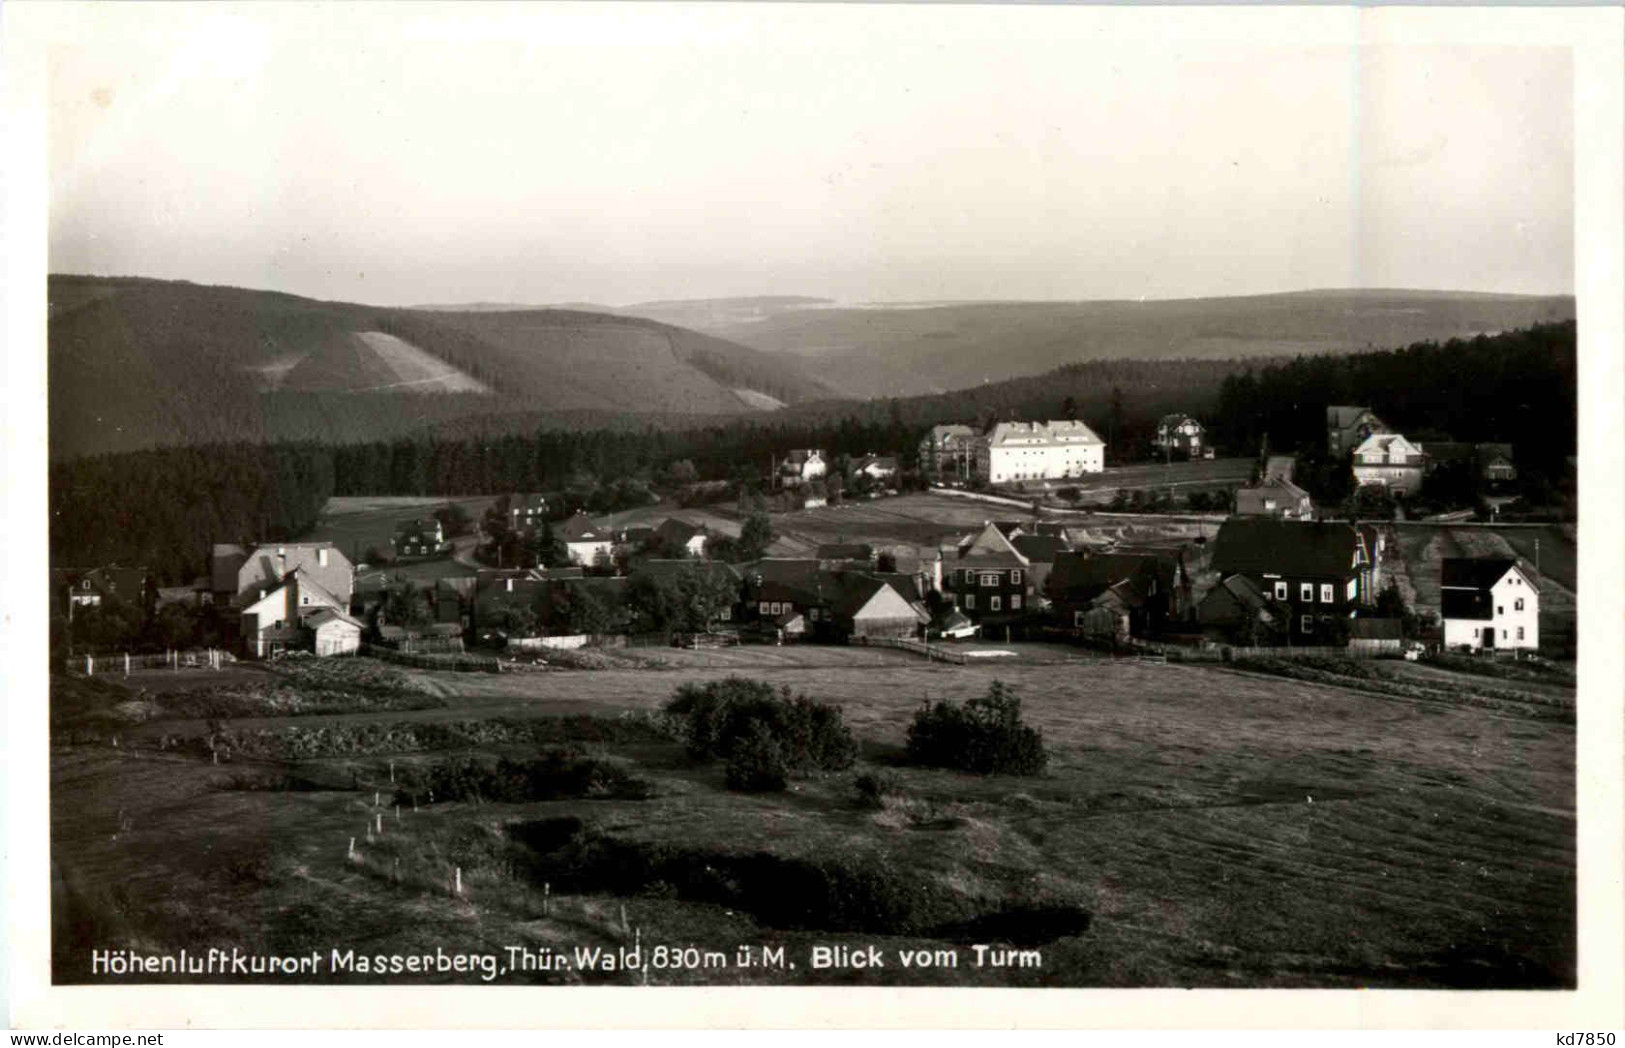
[1181,436]
[1388,460]
[586,542]
[500,594]
[1238,611]
[674,534]
[989,579]
[1347,427]
[1488,603]
[106,585]
[949,452]
[800,466]
[800,599]
[1273,497]
[416,539]
[526,512]
[725,576]
[1491,463]
[1117,594]
[1017,451]
[1312,570]
[282,617]
[877,468]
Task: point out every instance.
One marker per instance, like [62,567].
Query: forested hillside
[138,363]
[164,507]
[886,350]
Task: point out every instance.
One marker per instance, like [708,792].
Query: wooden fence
[930,651]
[125,662]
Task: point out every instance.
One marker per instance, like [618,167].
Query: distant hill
[905,350]
[136,363]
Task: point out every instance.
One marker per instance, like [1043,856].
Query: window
[970,601]
[1520,633]
[1015,578]
[725,614]
[1306,592]
[989,580]
[1500,609]
[1517,605]
[968,575]
[1503,634]
[1353,588]
[993,603]
[1015,602]
[1308,624]
[1280,591]
[762,608]
[1326,593]
[1077,618]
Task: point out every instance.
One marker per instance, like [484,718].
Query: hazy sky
[551,154]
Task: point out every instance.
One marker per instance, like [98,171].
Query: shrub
[717,716]
[755,762]
[985,736]
[872,789]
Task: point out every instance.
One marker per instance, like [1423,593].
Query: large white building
[1014,451]
[1389,460]
[1488,603]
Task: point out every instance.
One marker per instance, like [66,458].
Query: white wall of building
[1516,618]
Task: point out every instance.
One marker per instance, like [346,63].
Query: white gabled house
[801,466]
[1013,451]
[282,617]
[1488,603]
[1389,460]
[586,541]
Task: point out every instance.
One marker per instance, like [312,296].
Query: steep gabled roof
[676,531]
[1039,549]
[989,546]
[1480,573]
[1264,546]
[326,615]
[581,528]
[1080,577]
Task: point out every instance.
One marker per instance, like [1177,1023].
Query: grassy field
[1197,826]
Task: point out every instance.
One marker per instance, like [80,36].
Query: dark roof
[1039,548]
[1375,629]
[1080,577]
[1474,572]
[638,533]
[1465,604]
[673,530]
[1264,546]
[902,582]
[1234,600]
[580,528]
[416,525]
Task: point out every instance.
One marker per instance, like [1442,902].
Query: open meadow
[1195,826]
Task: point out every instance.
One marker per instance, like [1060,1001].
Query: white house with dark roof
[1488,602]
[1389,460]
[1015,451]
[283,617]
[585,540]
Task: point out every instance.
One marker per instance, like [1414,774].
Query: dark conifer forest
[164,507]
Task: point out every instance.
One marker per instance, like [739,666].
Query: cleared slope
[910,350]
[135,363]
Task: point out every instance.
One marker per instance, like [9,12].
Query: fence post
[126,664]
[90,666]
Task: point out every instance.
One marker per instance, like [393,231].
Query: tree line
[163,508]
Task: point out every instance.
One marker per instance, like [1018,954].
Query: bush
[717,716]
[872,789]
[985,736]
[755,763]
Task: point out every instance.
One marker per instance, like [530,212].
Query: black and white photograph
[793,495]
